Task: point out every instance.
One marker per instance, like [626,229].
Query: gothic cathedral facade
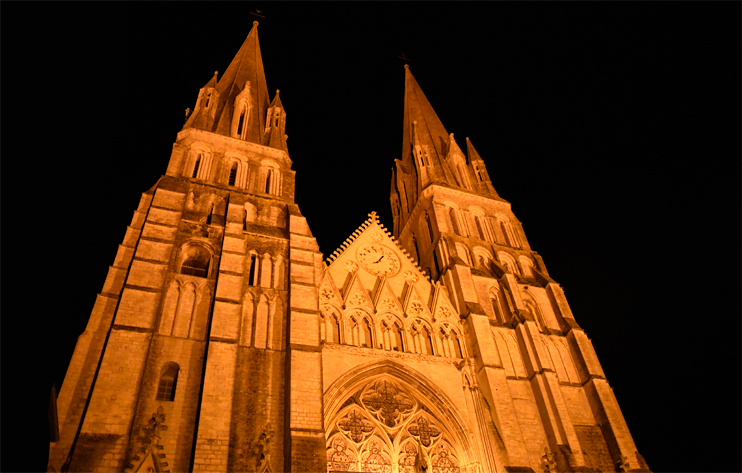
[222,341]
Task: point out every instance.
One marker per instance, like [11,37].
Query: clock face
[378,260]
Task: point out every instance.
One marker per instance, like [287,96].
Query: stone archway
[384,417]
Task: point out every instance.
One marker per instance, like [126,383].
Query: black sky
[613,129]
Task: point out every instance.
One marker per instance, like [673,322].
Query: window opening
[367,340]
[241,123]
[195,167]
[253,278]
[398,340]
[406,199]
[233,174]
[166,386]
[335,330]
[456,345]
[208,99]
[417,250]
[244,220]
[428,341]
[195,266]
[269,176]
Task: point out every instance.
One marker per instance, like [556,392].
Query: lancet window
[233,174]
[253,277]
[271,180]
[199,157]
[167,383]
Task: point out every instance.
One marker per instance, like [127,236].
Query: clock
[378,260]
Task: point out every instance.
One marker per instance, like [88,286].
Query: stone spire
[425,146]
[247,66]
[425,141]
[243,82]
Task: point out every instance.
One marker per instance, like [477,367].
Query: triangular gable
[343,263]
[328,291]
[442,307]
[356,295]
[415,305]
[386,301]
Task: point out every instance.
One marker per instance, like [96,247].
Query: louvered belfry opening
[195,266]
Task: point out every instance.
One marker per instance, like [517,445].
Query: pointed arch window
[428,340]
[367,338]
[456,345]
[168,382]
[253,278]
[268,177]
[233,174]
[208,99]
[241,122]
[276,116]
[197,165]
[335,338]
[435,263]
[417,250]
[398,338]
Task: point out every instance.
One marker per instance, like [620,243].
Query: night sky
[613,129]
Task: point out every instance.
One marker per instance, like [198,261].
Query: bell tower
[186,362]
[543,386]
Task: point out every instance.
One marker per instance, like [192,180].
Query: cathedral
[223,340]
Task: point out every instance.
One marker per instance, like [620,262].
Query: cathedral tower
[183,365]
[222,342]
[550,402]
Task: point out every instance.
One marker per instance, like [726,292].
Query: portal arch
[388,400]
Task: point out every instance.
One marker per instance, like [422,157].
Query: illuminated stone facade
[222,341]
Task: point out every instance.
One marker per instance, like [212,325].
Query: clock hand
[382,257]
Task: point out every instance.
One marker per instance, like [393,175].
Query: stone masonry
[222,341]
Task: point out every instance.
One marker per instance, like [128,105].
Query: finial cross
[258,14]
[404,58]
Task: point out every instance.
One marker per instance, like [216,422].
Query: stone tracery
[382,427]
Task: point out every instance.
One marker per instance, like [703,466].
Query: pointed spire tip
[407,66]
